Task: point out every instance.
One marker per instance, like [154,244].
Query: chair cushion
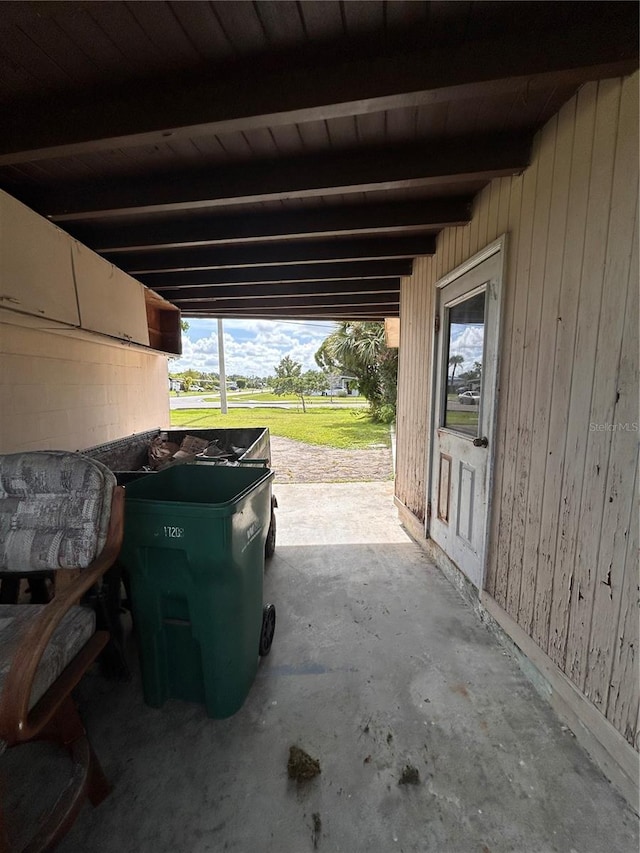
[54,510]
[75,629]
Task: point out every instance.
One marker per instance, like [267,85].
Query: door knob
[481,442]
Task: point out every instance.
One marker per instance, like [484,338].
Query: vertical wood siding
[414,366]
[563,549]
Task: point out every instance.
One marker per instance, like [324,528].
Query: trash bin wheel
[268,629]
[270,544]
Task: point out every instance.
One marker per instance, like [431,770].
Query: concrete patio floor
[377,664]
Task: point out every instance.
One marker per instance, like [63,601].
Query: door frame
[498,246]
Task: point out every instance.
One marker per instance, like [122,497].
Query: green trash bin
[194,547]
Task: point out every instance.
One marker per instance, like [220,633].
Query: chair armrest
[14,707]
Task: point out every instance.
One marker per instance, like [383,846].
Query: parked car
[469,398]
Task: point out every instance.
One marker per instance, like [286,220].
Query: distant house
[342,386]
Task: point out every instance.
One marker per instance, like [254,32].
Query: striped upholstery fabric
[54,510]
[75,629]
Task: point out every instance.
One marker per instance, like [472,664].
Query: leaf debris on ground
[410,776]
[301,766]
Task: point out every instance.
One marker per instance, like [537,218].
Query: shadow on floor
[377,666]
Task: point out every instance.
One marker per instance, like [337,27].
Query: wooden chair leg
[65,726]
[98,786]
[66,729]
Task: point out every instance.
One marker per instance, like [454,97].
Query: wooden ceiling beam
[291,272]
[602,43]
[326,221]
[310,288]
[298,251]
[292,301]
[425,164]
[319,313]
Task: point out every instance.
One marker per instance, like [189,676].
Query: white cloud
[251,347]
[467,341]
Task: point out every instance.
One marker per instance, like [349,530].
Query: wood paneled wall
[414,386]
[563,550]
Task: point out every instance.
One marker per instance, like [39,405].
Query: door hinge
[429,510]
[436,324]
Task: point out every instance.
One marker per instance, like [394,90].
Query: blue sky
[467,340]
[251,347]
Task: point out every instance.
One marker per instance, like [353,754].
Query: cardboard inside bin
[163,452]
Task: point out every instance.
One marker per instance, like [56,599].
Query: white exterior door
[465,390]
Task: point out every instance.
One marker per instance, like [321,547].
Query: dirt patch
[296,462]
[317,829]
[301,766]
[410,776]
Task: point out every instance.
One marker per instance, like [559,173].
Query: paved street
[205,401]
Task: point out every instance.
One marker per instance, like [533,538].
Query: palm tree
[455,360]
[359,348]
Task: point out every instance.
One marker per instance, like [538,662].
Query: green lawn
[333,428]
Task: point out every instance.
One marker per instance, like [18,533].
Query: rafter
[293,300]
[319,313]
[150,111]
[429,163]
[289,272]
[258,291]
[221,257]
[327,221]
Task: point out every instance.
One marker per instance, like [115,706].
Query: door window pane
[464,359]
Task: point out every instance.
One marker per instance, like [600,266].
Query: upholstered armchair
[63,513]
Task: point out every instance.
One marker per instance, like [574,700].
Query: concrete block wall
[67,392]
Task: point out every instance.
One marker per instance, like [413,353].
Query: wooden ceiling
[283,159]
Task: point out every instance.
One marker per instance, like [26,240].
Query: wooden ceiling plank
[16,81]
[354,286]
[82,28]
[371,127]
[241,26]
[281,22]
[389,218]
[401,124]
[351,285]
[363,15]
[116,20]
[320,314]
[402,13]
[20,50]
[342,132]
[55,43]
[159,22]
[448,20]
[287,138]
[293,298]
[298,251]
[290,272]
[431,119]
[203,29]
[322,20]
[261,142]
[234,145]
[426,164]
[251,97]
[314,135]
